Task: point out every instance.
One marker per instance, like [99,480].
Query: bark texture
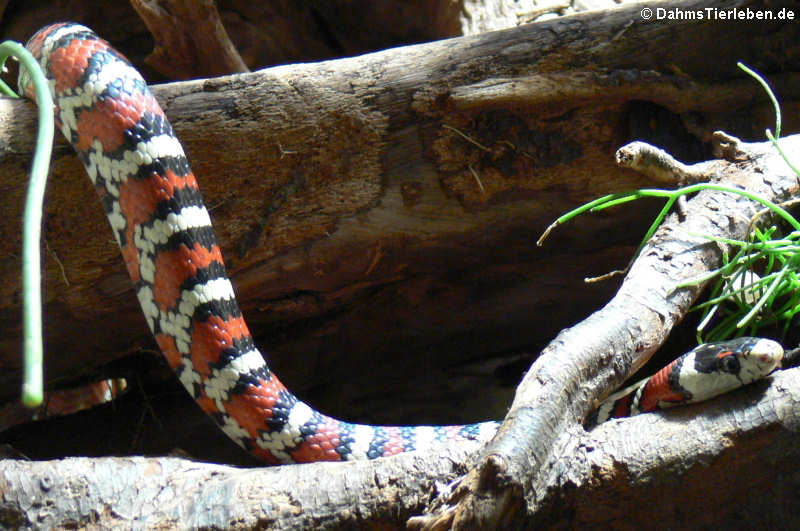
[383,192]
[378,216]
[605,479]
[189,36]
[518,477]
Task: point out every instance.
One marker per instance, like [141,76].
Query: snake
[706,371]
[127,145]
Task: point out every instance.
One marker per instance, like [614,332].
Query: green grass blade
[32,226]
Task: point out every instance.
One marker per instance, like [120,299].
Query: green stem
[32,225]
[767,296]
[763,82]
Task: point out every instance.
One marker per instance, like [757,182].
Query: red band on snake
[157,215]
[706,371]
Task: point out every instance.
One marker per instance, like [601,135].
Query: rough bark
[416,180]
[515,481]
[604,479]
[359,195]
[190,39]
[270,33]
[736,446]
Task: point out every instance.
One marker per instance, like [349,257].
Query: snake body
[157,215]
[704,372]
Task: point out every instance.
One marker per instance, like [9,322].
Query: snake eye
[730,364]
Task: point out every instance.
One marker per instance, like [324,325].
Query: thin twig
[58,262]
[467,137]
[285,151]
[477,179]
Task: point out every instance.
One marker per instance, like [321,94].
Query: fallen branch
[341,191]
[517,474]
[354,185]
[606,478]
[542,443]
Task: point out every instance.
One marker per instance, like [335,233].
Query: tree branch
[513,479]
[340,191]
[190,39]
[604,478]
[355,187]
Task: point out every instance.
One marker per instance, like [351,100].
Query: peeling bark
[388,204]
[514,477]
[604,479]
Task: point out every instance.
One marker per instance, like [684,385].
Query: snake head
[715,368]
[763,357]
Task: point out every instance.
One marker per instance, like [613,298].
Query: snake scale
[106,111]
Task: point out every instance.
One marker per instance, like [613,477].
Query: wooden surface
[611,479]
[379,214]
[385,206]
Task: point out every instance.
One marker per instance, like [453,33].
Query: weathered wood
[513,480]
[191,41]
[387,203]
[608,481]
[166,493]
[387,168]
[279,31]
[736,445]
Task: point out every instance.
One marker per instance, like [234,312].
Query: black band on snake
[157,215]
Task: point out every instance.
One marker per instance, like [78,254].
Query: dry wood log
[346,199]
[400,174]
[276,32]
[517,478]
[609,478]
[190,39]
[168,493]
